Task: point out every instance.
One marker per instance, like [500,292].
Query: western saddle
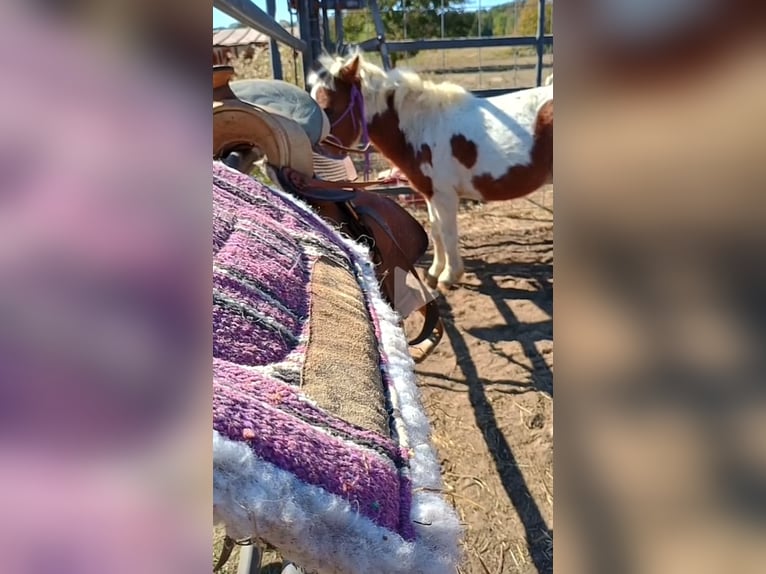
[282,123]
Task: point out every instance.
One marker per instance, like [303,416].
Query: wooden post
[540,40]
[276,58]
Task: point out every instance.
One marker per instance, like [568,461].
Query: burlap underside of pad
[341,373]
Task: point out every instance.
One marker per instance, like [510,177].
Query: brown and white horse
[447,142]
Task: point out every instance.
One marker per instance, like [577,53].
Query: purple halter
[357,101]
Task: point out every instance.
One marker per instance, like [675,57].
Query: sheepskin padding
[332,496]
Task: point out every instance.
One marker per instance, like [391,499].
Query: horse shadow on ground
[540,275]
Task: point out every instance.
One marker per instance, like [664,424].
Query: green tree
[499,23]
[504,18]
[527,24]
[413,19]
[421,19]
[486,24]
[460,24]
[357,26]
[410,19]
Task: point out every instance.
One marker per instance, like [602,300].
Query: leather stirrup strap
[430,311]
[297,183]
[332,194]
[226,550]
[433,327]
[341,147]
[421,349]
[303,182]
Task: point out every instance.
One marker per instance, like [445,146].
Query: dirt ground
[488,386]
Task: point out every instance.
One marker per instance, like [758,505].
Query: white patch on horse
[312,78]
[509,121]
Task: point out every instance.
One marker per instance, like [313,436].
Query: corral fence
[314,34]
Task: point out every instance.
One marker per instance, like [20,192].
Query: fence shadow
[500,283]
[537,533]
[540,276]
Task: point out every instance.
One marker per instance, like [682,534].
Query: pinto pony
[447,142]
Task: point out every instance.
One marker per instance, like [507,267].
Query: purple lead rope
[356,94]
[357,99]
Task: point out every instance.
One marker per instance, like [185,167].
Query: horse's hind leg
[444,205]
[438,263]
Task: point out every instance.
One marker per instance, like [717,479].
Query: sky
[222,20]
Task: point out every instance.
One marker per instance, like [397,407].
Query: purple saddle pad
[321,445]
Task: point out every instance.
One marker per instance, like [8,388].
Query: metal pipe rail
[456,43]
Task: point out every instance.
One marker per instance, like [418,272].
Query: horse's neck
[380,123]
[378,132]
[376,100]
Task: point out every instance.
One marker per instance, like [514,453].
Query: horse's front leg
[444,204]
[438,263]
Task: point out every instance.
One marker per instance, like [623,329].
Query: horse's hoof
[449,281]
[445,286]
[431,281]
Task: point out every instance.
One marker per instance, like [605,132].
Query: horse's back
[522,105]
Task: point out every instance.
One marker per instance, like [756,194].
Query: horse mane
[406,84]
